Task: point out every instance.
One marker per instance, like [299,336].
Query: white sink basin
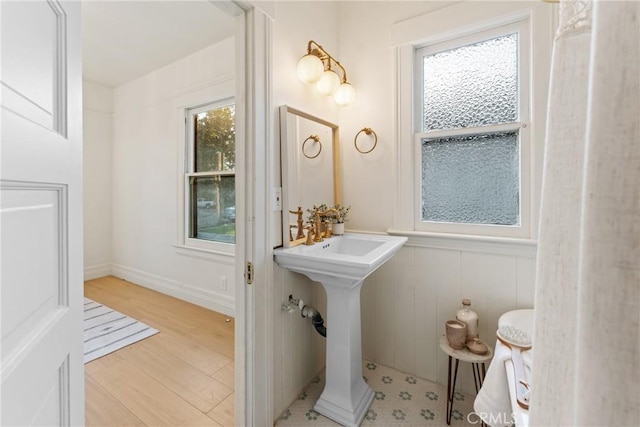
[351,257]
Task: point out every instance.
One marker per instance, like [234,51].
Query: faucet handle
[309,240]
[298,212]
[327,229]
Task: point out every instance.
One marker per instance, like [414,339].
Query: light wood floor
[183,376]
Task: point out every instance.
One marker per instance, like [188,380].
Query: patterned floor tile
[400,399]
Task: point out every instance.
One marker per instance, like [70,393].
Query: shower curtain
[587,304]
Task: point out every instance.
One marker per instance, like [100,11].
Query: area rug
[106,330]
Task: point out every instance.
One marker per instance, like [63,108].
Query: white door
[41,214]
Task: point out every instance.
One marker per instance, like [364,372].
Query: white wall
[299,350]
[147,145]
[366,52]
[406,302]
[98,130]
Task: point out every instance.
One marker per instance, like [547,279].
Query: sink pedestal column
[346,397]
[341,265]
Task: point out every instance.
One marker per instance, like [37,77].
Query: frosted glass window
[471,179]
[472,85]
[472,132]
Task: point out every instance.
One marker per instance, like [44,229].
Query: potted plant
[312,212]
[339,219]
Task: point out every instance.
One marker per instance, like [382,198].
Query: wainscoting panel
[405,327]
[299,351]
[443,266]
[384,287]
[526,276]
[406,303]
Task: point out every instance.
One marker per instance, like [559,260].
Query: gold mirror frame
[290,162]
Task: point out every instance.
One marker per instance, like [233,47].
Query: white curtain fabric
[587,306]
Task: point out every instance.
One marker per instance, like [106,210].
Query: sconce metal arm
[325,56]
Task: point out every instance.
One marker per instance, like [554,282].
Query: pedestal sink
[341,264]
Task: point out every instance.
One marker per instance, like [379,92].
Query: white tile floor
[400,400]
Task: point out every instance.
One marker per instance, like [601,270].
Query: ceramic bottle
[468,316]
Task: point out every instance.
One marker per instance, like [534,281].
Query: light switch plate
[277,198]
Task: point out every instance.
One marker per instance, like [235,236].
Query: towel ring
[316,138]
[367,131]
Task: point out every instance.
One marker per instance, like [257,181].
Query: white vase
[338,229]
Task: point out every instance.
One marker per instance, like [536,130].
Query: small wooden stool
[477,364]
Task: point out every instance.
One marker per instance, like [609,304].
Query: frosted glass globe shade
[310,68]
[328,83]
[345,95]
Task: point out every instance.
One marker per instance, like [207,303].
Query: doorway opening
[145,63]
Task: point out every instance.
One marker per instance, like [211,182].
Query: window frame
[522,125]
[188,173]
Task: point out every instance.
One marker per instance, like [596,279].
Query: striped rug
[106,330]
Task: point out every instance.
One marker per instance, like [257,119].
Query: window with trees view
[210,175]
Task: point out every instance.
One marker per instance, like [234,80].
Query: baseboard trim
[96,271]
[212,300]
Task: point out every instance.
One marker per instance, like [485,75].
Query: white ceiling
[124,40]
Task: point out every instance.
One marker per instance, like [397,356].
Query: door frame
[254,326]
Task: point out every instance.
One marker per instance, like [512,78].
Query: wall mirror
[310,168]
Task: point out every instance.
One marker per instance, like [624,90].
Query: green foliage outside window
[215,140]
[213,190]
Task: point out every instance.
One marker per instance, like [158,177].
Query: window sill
[469,243]
[218,257]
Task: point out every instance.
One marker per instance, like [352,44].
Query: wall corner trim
[212,300]
[95,271]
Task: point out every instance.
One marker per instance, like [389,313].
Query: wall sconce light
[315,67]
